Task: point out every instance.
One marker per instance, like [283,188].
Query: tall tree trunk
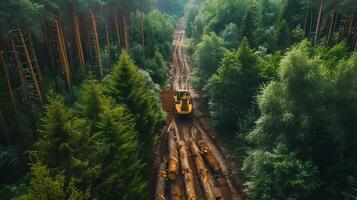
[306,15]
[310,25]
[35,59]
[331,27]
[107,39]
[24,86]
[77,39]
[125,27]
[355,49]
[49,43]
[7,78]
[142,33]
[63,55]
[3,128]
[29,63]
[117,27]
[318,21]
[96,44]
[351,25]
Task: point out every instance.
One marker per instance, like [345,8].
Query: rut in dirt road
[189,165]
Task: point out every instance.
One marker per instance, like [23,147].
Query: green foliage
[126,85]
[157,68]
[283,35]
[249,26]
[279,175]
[43,186]
[301,110]
[158,29]
[207,57]
[122,168]
[231,36]
[239,74]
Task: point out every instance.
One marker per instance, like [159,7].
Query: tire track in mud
[187,131]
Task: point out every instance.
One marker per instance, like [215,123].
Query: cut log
[202,172]
[187,172]
[173,157]
[175,191]
[210,158]
[161,183]
[206,152]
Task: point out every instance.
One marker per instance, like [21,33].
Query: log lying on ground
[175,193]
[202,172]
[206,152]
[210,158]
[173,157]
[161,182]
[187,172]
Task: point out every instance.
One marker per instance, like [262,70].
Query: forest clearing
[178,99]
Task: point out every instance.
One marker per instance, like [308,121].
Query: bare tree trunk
[331,27]
[35,60]
[310,25]
[305,24]
[160,184]
[173,157]
[24,86]
[202,172]
[63,55]
[355,49]
[28,60]
[77,39]
[3,128]
[175,191]
[96,44]
[125,31]
[351,25]
[117,27]
[7,78]
[187,171]
[51,54]
[107,39]
[142,33]
[318,21]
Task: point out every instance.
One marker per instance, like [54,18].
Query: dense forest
[279,77]
[79,109]
[80,114]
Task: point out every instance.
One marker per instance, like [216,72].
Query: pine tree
[65,142]
[122,166]
[249,26]
[128,86]
[45,186]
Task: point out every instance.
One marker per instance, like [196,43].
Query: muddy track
[202,172]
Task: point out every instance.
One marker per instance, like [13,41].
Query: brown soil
[221,182]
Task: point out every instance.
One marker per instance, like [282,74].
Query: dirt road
[202,172]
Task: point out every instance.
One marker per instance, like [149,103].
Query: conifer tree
[122,168]
[45,186]
[128,86]
[66,143]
